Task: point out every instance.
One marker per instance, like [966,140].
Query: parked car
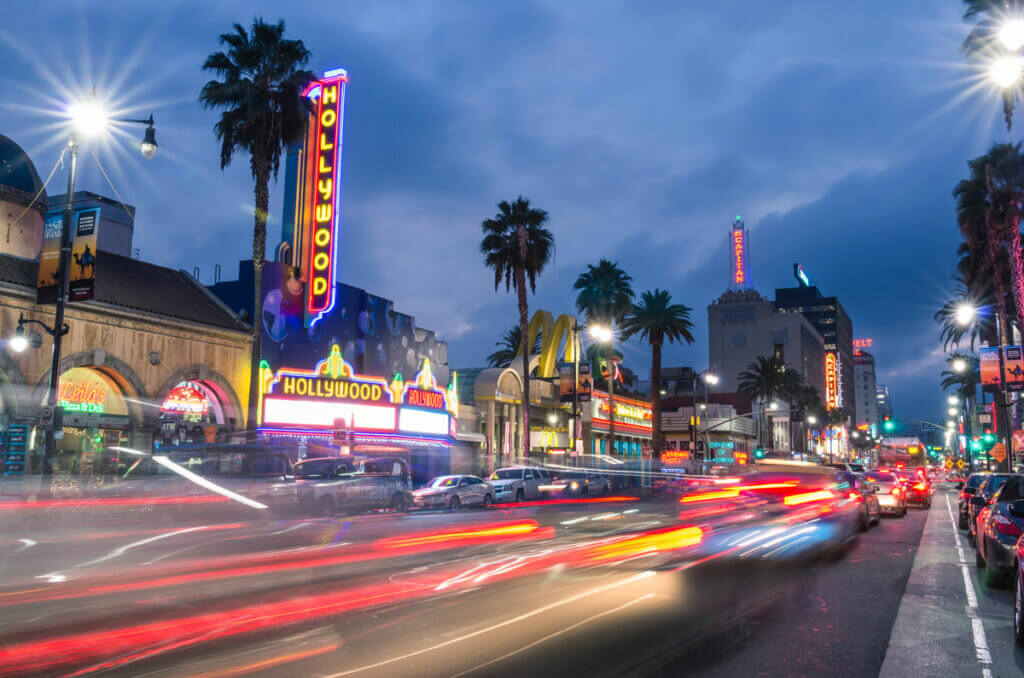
[1000,526]
[888,489]
[315,479]
[453,492]
[518,483]
[1018,597]
[850,467]
[968,489]
[374,484]
[265,476]
[981,499]
[860,489]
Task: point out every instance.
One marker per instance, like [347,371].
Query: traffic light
[889,424]
[989,438]
[759,453]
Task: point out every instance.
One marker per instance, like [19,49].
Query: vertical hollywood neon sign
[325,191]
[831,381]
[740,273]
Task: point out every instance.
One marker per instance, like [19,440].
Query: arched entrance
[97,420]
[196,405]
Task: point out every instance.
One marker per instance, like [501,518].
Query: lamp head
[149,145]
[88,117]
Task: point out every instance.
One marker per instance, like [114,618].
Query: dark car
[863,492]
[1000,525]
[1018,594]
[917,485]
[967,490]
[578,483]
[981,499]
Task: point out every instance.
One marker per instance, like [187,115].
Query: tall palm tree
[517,247]
[258,90]
[762,382]
[987,206]
[952,331]
[656,319]
[508,347]
[605,297]
[982,43]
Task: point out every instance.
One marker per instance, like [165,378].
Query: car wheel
[864,522]
[962,522]
[992,577]
[399,502]
[979,558]
[455,503]
[519,496]
[488,501]
[1018,608]
[903,511]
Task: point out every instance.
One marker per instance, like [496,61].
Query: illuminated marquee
[186,400]
[831,381]
[631,416]
[311,402]
[82,396]
[738,272]
[324,190]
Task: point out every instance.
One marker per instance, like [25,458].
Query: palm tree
[258,90]
[508,347]
[762,382]
[953,331]
[792,390]
[517,247]
[982,43]
[605,297]
[656,319]
[988,213]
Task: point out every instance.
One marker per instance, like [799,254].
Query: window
[528,475]
[1011,491]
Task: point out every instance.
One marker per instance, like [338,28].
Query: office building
[864,391]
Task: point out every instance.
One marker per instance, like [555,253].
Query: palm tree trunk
[610,358]
[259,250]
[1016,264]
[523,311]
[656,399]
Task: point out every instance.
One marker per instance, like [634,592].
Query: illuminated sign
[187,400]
[86,396]
[801,277]
[831,381]
[633,416]
[863,343]
[313,401]
[325,175]
[739,273]
[675,457]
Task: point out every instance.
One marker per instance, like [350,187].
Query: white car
[518,483]
[453,492]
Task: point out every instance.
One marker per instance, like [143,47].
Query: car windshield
[880,477]
[993,484]
[507,474]
[857,468]
[444,481]
[313,469]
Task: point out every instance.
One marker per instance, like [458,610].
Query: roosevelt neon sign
[325,172]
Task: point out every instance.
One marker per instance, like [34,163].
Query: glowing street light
[88,118]
[952,412]
[19,342]
[552,418]
[600,333]
[1011,34]
[965,313]
[773,405]
[953,400]
[959,365]
[811,419]
[710,378]
[1005,71]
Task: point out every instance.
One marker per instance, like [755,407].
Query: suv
[375,484]
[518,483]
[315,478]
[999,528]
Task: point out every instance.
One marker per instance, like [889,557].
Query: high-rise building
[834,325]
[883,402]
[864,390]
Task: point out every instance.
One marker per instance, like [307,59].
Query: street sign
[949,463]
[998,452]
[960,463]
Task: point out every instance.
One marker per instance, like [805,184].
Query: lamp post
[966,314]
[710,379]
[604,335]
[88,119]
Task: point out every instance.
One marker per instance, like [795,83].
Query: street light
[773,405]
[811,419]
[959,365]
[710,378]
[1011,34]
[953,400]
[600,333]
[1005,71]
[965,313]
[552,418]
[952,411]
[604,335]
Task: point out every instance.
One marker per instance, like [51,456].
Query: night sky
[837,130]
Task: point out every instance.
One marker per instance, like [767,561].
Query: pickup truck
[328,487]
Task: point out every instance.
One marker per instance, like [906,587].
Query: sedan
[1000,525]
[981,499]
[968,489]
[861,491]
[453,492]
[889,490]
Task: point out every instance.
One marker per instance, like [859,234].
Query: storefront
[97,420]
[633,425]
[192,412]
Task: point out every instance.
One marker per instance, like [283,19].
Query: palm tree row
[768,379]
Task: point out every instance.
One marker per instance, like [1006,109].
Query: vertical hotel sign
[329,102]
[740,272]
[831,381]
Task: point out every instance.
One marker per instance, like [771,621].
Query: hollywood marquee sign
[313,402]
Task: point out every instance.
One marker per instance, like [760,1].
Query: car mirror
[1016,508]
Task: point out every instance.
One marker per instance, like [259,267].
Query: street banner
[585,383]
[1013,368]
[566,382]
[1018,442]
[82,276]
[48,277]
[990,376]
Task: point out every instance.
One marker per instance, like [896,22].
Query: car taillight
[855,496]
[897,490]
[920,486]
[1006,526]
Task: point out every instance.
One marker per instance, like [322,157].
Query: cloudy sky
[836,129]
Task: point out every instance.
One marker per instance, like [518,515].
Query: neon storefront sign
[82,396]
[186,400]
[314,401]
[325,174]
[831,381]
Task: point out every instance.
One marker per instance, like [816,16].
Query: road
[543,589]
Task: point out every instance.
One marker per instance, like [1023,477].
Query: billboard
[1013,368]
[48,277]
[82,276]
[988,358]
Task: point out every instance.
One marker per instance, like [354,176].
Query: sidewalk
[949,624]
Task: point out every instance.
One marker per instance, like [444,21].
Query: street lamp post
[604,335]
[966,314]
[88,119]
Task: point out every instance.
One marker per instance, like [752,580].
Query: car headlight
[574,486]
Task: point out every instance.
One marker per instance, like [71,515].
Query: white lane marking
[495,627]
[119,551]
[557,633]
[981,650]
